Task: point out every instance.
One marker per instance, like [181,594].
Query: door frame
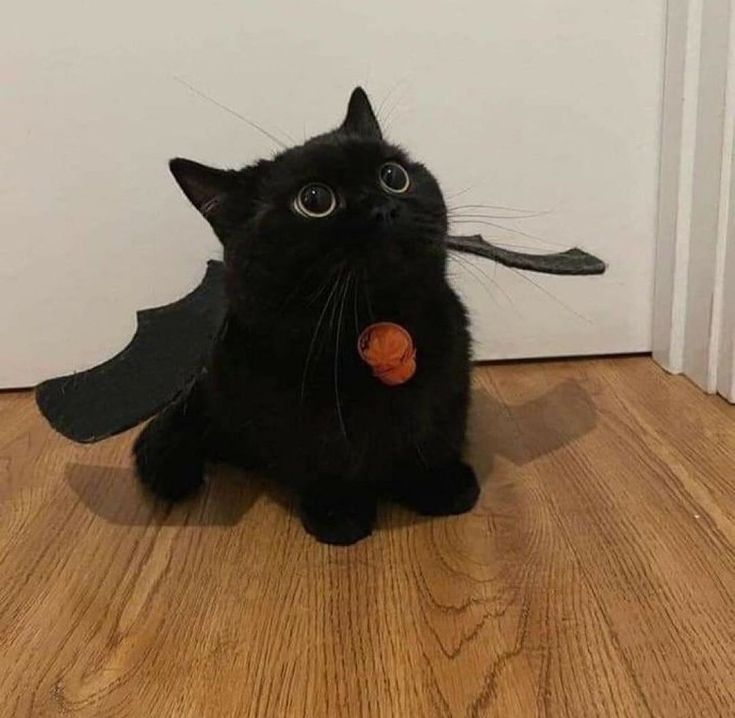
[694,295]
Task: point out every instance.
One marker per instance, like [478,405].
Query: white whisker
[337,357]
[234,113]
[550,295]
[314,336]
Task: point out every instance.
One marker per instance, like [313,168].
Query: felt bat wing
[172,344]
[571,262]
[167,352]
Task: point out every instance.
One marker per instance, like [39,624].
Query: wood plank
[594,578]
[659,566]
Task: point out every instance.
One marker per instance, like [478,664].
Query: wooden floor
[596,577]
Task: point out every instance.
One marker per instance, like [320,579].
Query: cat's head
[345,201]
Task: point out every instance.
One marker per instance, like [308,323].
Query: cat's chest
[315,368]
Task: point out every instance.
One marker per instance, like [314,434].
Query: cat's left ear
[360,119]
[206,188]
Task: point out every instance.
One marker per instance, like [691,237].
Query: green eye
[394,178]
[315,201]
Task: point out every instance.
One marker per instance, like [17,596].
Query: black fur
[286,390]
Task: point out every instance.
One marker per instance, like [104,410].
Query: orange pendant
[388,349]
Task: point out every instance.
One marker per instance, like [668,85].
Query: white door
[550,106]
[694,319]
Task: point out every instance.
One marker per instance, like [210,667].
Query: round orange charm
[388,349]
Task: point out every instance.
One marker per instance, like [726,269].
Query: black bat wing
[167,352]
[571,262]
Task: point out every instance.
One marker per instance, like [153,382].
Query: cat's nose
[385,213]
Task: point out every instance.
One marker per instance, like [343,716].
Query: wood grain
[596,577]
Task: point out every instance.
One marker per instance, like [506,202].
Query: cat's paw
[443,490]
[336,516]
[169,466]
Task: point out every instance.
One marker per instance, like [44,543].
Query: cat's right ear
[206,188]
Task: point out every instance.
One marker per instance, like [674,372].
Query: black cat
[320,242]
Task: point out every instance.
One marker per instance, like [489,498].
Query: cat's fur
[286,391]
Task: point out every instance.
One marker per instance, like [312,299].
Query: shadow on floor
[520,433]
[116,496]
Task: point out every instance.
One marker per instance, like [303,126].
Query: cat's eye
[394,178]
[315,200]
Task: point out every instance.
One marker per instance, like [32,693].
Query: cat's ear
[206,188]
[360,119]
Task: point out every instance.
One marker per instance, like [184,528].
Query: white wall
[543,104]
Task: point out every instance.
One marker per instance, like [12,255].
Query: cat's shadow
[116,496]
[520,433]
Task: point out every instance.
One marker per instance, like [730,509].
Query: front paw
[443,490]
[337,516]
[169,466]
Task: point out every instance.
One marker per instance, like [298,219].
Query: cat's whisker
[472,269]
[337,356]
[379,113]
[511,230]
[295,291]
[314,336]
[320,290]
[366,288]
[399,98]
[392,116]
[469,269]
[501,207]
[490,206]
[507,245]
[334,307]
[234,113]
[477,215]
[324,285]
[480,209]
[482,285]
[504,217]
[454,195]
[494,282]
[551,295]
[354,308]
